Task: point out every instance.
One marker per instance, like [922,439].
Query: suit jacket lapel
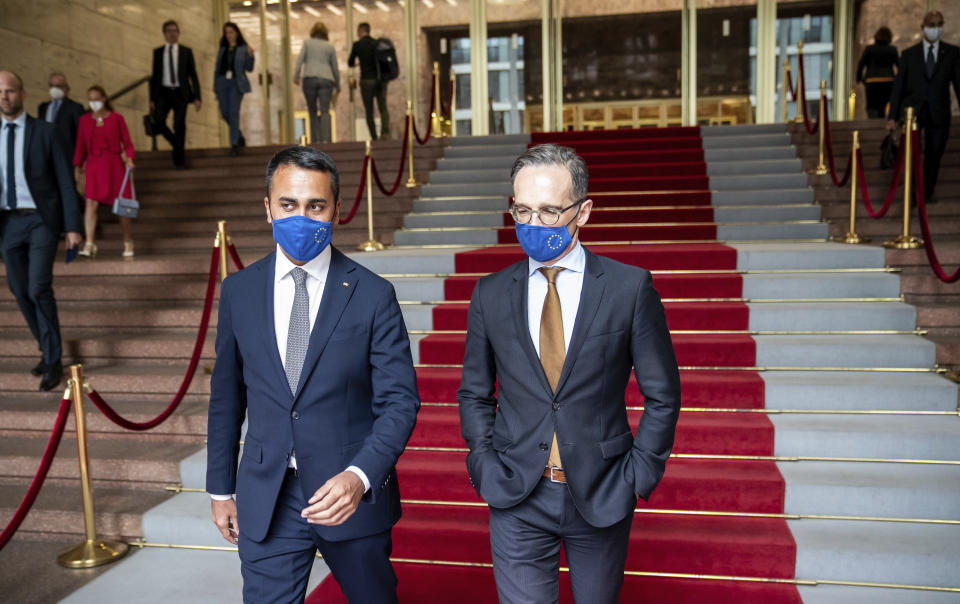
[337,292]
[518,300]
[590,295]
[27,136]
[269,268]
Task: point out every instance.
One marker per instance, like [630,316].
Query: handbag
[888,152]
[148,125]
[127,207]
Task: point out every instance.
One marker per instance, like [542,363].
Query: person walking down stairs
[101,138]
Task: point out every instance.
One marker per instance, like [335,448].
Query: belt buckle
[552,470]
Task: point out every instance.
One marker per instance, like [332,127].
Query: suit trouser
[317,92]
[29,248]
[370,89]
[229,97]
[934,144]
[276,570]
[525,541]
[172,98]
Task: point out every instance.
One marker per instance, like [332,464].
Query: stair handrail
[128,88]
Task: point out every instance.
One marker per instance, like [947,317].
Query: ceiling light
[382,6]
[294,15]
[360,7]
[402,3]
[333,9]
[428,3]
[248,2]
[452,2]
[312,11]
[272,17]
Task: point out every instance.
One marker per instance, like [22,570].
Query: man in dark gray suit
[550,345]
[37,203]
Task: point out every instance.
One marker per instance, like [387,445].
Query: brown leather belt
[555,475]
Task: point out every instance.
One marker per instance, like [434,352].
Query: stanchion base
[904,243]
[370,246]
[208,369]
[92,553]
[818,171]
[798,119]
[852,238]
[412,183]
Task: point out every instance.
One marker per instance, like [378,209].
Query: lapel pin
[345,284]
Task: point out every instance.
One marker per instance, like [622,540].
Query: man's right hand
[225,517]
[891,125]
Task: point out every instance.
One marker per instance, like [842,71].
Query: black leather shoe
[51,377]
[39,370]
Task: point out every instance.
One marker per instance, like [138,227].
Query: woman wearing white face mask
[101,139]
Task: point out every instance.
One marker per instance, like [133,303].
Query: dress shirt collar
[316,268]
[175,46]
[926,49]
[575,261]
[21,121]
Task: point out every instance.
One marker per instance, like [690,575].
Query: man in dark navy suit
[927,71]
[550,345]
[37,204]
[173,85]
[63,112]
[313,351]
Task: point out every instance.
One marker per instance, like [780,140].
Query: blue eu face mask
[302,238]
[544,243]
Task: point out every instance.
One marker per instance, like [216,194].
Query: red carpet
[657,182]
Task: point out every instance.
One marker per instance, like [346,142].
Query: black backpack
[386,57]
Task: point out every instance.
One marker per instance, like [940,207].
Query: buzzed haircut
[364,27]
[307,158]
[555,155]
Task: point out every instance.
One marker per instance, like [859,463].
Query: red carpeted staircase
[643,178]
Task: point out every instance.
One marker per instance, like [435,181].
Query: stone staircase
[937,303]
[132,323]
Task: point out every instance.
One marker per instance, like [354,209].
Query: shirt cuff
[221,497]
[363,477]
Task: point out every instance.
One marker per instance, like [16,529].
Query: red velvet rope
[235,256]
[403,160]
[802,93]
[924,221]
[360,189]
[433,106]
[34,489]
[116,418]
[828,143]
[891,192]
[790,87]
[448,108]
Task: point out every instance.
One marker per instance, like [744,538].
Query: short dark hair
[883,35]
[306,158]
[168,23]
[555,155]
[364,26]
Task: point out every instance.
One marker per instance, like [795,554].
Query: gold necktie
[552,349]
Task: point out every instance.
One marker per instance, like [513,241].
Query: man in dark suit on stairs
[550,345]
[37,204]
[173,85]
[313,351]
[62,111]
[927,71]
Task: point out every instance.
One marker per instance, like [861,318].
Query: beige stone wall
[109,42]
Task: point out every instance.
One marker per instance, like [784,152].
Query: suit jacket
[242,63]
[620,323]
[66,121]
[356,403]
[930,97]
[186,74]
[877,61]
[50,178]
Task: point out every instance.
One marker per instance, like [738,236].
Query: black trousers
[878,95]
[934,144]
[375,89]
[172,99]
[29,248]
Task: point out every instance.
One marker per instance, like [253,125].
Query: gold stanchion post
[852,237]
[411,181]
[221,244]
[435,116]
[821,168]
[93,551]
[786,88]
[371,244]
[801,93]
[906,241]
[453,103]
[852,102]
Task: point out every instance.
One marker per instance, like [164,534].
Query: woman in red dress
[101,137]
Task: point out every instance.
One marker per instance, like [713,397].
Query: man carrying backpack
[375,73]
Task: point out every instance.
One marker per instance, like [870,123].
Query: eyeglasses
[548,216]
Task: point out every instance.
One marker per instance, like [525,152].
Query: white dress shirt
[168,80]
[569,285]
[24,198]
[52,108]
[284,290]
